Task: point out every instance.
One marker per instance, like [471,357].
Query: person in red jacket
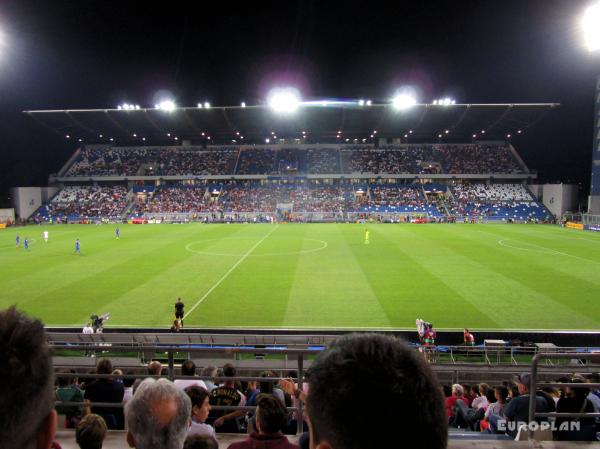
[271,419]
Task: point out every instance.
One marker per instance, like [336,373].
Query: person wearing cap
[516,412]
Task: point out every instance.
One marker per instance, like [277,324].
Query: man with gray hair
[158,416]
[27,416]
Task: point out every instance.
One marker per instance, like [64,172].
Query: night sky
[97,54]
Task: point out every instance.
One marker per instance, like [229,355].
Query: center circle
[319,246]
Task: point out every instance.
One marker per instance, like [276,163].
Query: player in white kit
[46,236]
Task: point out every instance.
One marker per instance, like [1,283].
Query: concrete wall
[536,189]
[7,216]
[560,198]
[48,193]
[26,200]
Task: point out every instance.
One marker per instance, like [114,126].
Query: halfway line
[229,272]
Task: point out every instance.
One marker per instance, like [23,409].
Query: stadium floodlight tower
[284,100]
[166,105]
[590,25]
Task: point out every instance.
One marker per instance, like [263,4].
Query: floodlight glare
[206,105]
[167,105]
[284,100]
[243,104]
[361,102]
[404,101]
[590,25]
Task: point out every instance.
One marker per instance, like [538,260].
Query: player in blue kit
[18,240]
[26,244]
[118,232]
[77,247]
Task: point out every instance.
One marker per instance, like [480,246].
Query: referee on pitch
[179,305]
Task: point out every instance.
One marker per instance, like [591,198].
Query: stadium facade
[337,161]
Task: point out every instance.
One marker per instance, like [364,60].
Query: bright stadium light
[590,26]
[361,102]
[284,100]
[200,105]
[404,100]
[243,104]
[206,105]
[167,105]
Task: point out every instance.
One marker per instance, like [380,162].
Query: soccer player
[179,310]
[46,236]
[117,232]
[26,244]
[366,236]
[77,247]
[18,240]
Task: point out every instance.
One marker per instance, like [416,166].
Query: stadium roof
[320,122]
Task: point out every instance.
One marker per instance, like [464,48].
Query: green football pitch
[307,276]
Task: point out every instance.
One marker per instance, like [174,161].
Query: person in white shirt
[188,368]
[88,329]
[481,401]
[200,411]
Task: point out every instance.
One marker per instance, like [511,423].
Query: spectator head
[482,389]
[129,381]
[466,389]
[490,395]
[200,442]
[403,391]
[576,392]
[267,387]
[154,368]
[27,418]
[157,416]
[271,414]
[447,390]
[501,394]
[457,390]
[200,405]
[104,366]
[229,370]
[523,383]
[91,432]
[65,381]
[210,371]
[188,368]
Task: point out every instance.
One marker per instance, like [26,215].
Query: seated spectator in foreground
[495,408]
[575,401]
[517,410]
[27,416]
[450,403]
[210,371]
[481,400]
[158,416]
[271,419]
[91,432]
[366,378]
[227,395]
[200,411]
[188,368]
[68,391]
[106,390]
[200,442]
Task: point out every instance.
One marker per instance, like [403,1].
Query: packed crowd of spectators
[178,199]
[417,159]
[321,161]
[256,161]
[89,202]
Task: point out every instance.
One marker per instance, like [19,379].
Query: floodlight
[361,102]
[111,139]
[167,105]
[137,106]
[176,138]
[435,102]
[203,134]
[200,105]
[590,25]
[519,132]
[369,102]
[144,139]
[508,136]
[405,135]
[403,101]
[371,136]
[474,136]
[243,104]
[168,134]
[439,136]
[267,140]
[67,136]
[100,136]
[134,135]
[410,131]
[119,107]
[447,131]
[206,105]
[284,100]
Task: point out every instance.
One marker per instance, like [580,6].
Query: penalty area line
[244,257]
